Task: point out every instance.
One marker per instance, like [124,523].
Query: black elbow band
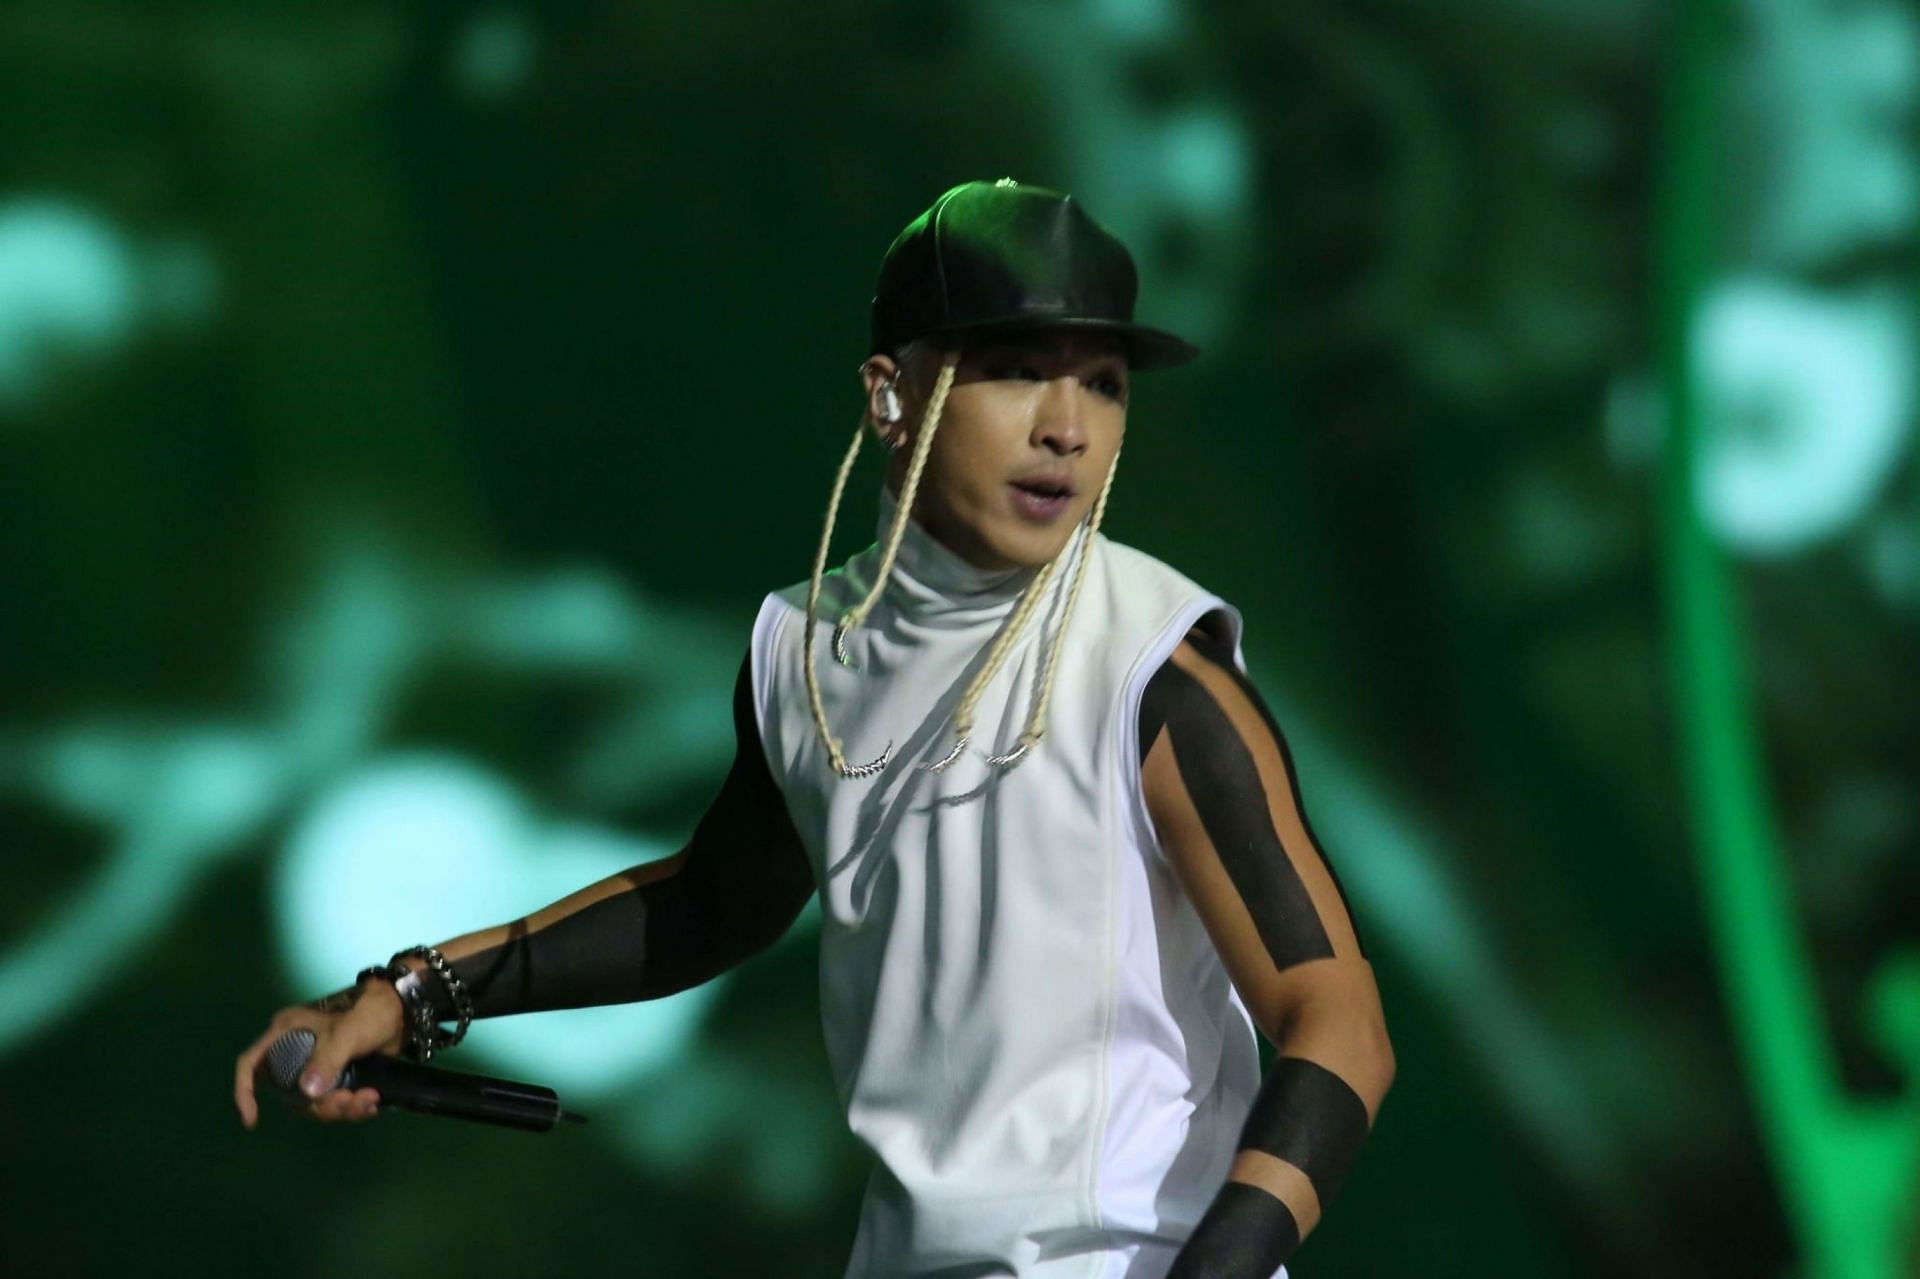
[1310,1117]
[1246,1234]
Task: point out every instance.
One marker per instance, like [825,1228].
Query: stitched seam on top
[1133,797]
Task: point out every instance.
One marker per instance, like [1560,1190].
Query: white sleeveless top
[1026,1020]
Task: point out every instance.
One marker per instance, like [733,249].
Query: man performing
[1059,846]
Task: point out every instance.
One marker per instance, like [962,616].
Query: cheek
[954,484]
[972,463]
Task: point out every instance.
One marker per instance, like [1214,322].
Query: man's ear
[886,399]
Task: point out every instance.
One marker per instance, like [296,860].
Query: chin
[1034,553]
[1006,543]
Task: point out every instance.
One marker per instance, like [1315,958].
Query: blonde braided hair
[909,487]
[1037,718]
[916,467]
[834,755]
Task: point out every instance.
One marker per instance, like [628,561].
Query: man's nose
[1059,424]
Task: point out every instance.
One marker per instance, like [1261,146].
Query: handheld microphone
[423,1088]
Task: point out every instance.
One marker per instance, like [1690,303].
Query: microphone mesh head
[287,1055]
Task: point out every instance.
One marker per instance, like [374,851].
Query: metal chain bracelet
[433,1039]
[423,1032]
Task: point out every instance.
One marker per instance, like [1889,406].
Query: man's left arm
[1221,790]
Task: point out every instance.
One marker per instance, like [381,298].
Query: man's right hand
[345,1027]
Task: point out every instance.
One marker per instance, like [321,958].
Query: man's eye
[1111,388]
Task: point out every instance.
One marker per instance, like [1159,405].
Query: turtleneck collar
[929,580]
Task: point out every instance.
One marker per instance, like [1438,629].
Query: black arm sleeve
[736,886]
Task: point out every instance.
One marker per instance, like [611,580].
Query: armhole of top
[761,654]
[1215,615]
[1222,623]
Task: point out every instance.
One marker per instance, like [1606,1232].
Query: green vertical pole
[1844,1166]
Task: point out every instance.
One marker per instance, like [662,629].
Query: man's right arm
[658,928]
[649,931]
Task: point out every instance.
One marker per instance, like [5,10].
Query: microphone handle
[529,1107]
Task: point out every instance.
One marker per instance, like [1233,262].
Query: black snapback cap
[1002,257]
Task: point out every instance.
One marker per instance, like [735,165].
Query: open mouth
[1044,488]
[1041,501]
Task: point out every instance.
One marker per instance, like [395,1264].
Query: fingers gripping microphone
[423,1088]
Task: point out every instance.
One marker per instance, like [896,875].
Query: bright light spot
[1805,402]
[68,292]
[421,849]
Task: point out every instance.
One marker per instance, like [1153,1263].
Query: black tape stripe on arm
[1246,1234]
[1224,784]
[1310,1117]
[1218,649]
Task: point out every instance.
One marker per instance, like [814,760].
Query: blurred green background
[403,410]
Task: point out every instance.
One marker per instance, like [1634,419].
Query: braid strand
[916,467]
[834,755]
[909,487]
[1037,721]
